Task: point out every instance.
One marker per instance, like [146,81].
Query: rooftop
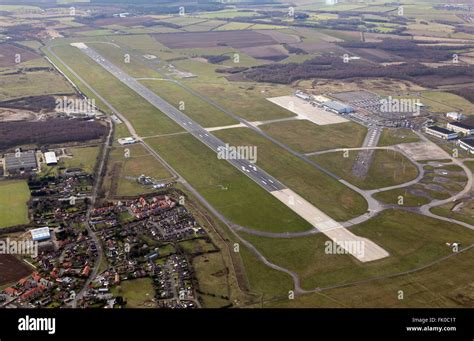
[337,105]
[440,130]
[21,160]
[41,233]
[461,125]
[469,142]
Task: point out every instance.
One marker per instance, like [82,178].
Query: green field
[463,213]
[442,102]
[247,100]
[226,188]
[305,136]
[444,285]
[412,241]
[196,108]
[212,275]
[144,44]
[388,168]
[137,292]
[82,157]
[124,170]
[302,177]
[409,199]
[196,246]
[36,83]
[14,196]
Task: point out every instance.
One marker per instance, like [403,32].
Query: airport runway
[245,166]
[307,211]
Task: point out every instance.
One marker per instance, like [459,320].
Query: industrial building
[442,133]
[40,234]
[338,107]
[454,116]
[467,145]
[21,162]
[50,158]
[462,128]
[302,95]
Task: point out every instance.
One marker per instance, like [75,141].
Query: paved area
[332,229]
[306,111]
[424,151]
[240,125]
[365,157]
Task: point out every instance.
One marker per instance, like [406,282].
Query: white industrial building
[50,158]
[40,234]
[338,107]
[441,133]
[454,116]
[462,128]
[467,145]
[303,95]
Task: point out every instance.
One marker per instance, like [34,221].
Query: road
[90,231]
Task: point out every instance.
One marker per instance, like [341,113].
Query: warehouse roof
[50,158]
[338,106]
[461,125]
[469,142]
[441,130]
[21,160]
[41,233]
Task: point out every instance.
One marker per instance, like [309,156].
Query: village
[134,239]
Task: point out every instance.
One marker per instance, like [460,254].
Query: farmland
[12,269]
[14,196]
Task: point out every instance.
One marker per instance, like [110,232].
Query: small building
[462,128]
[21,162]
[50,158]
[338,107]
[455,116]
[127,140]
[467,145]
[441,133]
[302,95]
[40,234]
